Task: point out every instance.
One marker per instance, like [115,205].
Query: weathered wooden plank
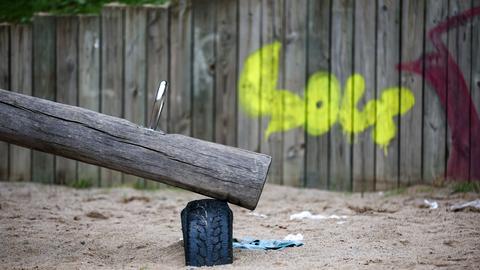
[364,64]
[157,59]
[157,64]
[475,86]
[215,170]
[44,82]
[21,82]
[89,80]
[135,71]
[434,115]
[249,27]
[67,85]
[458,43]
[272,30]
[294,47]
[316,146]
[412,46]
[112,61]
[388,56]
[181,67]
[5,83]
[226,72]
[203,88]
[342,64]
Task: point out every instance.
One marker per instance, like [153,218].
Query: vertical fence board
[21,82]
[458,43]
[67,85]
[342,64]
[43,86]
[157,59]
[89,81]
[318,49]
[181,67]
[135,72]
[434,121]
[388,56]
[204,39]
[295,68]
[111,67]
[272,30]
[249,23]
[157,64]
[226,72]
[475,85]
[411,123]
[4,84]
[364,63]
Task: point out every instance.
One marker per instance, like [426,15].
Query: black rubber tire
[207,233]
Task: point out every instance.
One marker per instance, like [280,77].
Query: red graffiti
[442,72]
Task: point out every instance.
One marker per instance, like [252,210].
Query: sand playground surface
[46,227]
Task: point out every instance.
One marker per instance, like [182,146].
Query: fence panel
[344,95]
[89,81]
[44,86]
[410,127]
[5,84]
[364,64]
[67,85]
[111,68]
[21,82]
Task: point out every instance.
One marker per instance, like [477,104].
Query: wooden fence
[344,95]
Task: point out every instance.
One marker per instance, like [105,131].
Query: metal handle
[158,105]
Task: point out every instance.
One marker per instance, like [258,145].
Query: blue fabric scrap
[257,244]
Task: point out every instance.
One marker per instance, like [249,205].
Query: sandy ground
[45,227]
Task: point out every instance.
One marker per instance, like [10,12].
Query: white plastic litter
[431,204]
[257,215]
[460,206]
[294,237]
[308,215]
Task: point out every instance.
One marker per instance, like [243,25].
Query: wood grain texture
[157,59]
[342,67]
[158,69]
[226,72]
[413,31]
[294,47]
[475,82]
[318,52]
[204,61]
[112,61]
[459,42]
[215,170]
[21,82]
[388,56]
[364,63]
[135,91]
[181,32]
[5,83]
[67,85]
[272,30]
[249,27]
[89,80]
[434,116]
[44,85]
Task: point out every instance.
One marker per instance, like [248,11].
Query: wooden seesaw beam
[215,170]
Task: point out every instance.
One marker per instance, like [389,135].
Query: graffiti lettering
[322,104]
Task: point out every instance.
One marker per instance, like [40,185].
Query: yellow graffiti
[322,103]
